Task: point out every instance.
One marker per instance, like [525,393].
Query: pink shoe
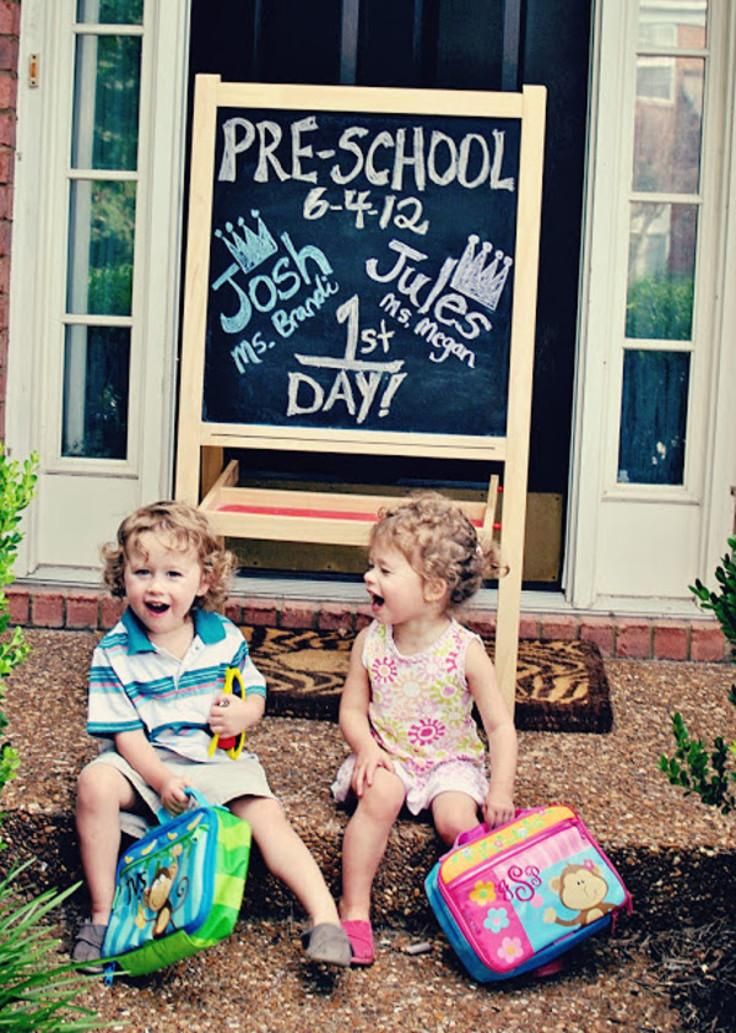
[360,934]
[552,968]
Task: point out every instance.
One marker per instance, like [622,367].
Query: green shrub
[17,484]
[36,992]
[723,602]
[709,772]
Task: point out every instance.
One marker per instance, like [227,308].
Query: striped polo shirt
[135,685]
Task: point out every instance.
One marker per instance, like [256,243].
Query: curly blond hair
[186,528]
[439,541]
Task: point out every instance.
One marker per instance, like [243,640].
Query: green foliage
[660,308]
[696,769]
[36,996]
[17,485]
[36,993]
[723,602]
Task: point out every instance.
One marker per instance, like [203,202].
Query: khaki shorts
[219,780]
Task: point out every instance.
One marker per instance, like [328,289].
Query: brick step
[651,873]
[301,757]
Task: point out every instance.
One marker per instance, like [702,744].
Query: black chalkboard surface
[361,270]
[361,279]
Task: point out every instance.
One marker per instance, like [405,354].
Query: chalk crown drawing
[478,278]
[251,249]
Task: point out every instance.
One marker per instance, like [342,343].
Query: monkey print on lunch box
[512,899]
[178,889]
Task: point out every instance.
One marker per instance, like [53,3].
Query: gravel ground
[664,971]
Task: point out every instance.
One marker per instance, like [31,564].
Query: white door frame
[680,530]
[78,496]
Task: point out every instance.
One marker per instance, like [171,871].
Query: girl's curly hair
[439,541]
[185,527]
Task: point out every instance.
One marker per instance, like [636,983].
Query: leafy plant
[723,602]
[36,995]
[694,767]
[17,485]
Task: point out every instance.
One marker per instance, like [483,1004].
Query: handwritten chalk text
[389,158]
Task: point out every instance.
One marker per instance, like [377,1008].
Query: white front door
[655,454]
[95,267]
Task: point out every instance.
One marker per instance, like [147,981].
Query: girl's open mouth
[157,608]
[376,600]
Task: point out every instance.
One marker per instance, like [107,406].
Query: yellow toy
[232,744]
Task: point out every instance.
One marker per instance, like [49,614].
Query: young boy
[155,697]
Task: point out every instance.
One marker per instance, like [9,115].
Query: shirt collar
[207,625]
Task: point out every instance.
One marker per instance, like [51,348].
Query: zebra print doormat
[561,685]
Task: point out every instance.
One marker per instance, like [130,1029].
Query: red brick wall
[9,31]
[642,638]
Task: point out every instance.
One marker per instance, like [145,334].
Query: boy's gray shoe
[87,949]
[327,944]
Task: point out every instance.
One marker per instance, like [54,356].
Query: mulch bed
[696,972]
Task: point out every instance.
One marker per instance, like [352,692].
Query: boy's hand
[173,797]
[228,716]
[498,808]
[367,761]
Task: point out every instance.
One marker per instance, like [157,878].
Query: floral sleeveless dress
[420,712]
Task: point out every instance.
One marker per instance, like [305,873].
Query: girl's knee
[384,799]
[448,829]
[452,821]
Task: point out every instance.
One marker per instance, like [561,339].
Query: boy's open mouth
[157,607]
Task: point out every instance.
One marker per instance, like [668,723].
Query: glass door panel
[653,417]
[121,12]
[95,415]
[661,275]
[103,184]
[665,203]
[101,239]
[668,123]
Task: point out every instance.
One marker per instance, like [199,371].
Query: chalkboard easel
[361,278]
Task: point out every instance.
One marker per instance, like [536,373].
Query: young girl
[155,697]
[406,708]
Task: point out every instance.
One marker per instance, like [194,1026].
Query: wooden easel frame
[326,517]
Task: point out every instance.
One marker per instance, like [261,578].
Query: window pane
[106,89]
[653,417]
[106,12]
[101,238]
[95,408]
[669,117]
[678,24]
[659,299]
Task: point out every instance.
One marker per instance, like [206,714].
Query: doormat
[561,685]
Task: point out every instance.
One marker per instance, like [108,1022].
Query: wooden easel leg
[213,456]
[489,516]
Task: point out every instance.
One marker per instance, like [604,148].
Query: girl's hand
[367,761]
[173,797]
[498,808]
[228,715]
